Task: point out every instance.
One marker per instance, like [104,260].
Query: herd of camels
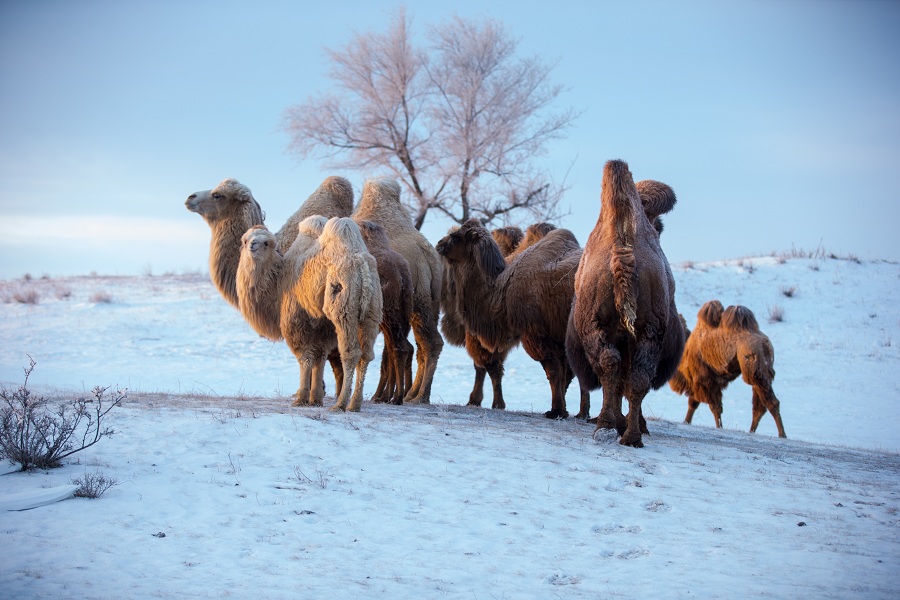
[337,273]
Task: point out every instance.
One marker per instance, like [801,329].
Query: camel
[511,241]
[380,203]
[396,291]
[724,344]
[527,300]
[230,210]
[262,287]
[624,332]
[329,276]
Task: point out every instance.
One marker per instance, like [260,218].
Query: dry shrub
[39,434]
[93,485]
[27,295]
[776,313]
[788,292]
[101,297]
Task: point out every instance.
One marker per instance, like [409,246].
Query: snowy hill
[261,500]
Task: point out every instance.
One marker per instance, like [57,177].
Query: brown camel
[380,203]
[624,332]
[397,292]
[724,344]
[527,300]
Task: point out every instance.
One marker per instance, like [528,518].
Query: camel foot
[605,435]
[586,417]
[632,440]
[336,408]
[475,403]
[499,405]
[554,414]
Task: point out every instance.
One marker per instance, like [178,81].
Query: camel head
[259,241]
[228,200]
[472,241]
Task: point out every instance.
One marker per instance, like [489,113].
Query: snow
[259,499]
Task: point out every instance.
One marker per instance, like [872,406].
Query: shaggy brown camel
[527,300]
[724,344]
[380,203]
[624,332]
[396,290]
[329,276]
[511,242]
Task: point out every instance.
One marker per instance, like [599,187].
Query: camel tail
[619,201]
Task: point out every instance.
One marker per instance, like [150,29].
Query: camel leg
[557,377]
[632,435]
[608,421]
[766,399]
[429,345]
[317,382]
[402,366]
[407,369]
[715,405]
[356,400]
[495,370]
[337,367]
[384,390]
[584,408]
[692,407]
[302,396]
[476,396]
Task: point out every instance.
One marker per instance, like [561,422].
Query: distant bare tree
[461,126]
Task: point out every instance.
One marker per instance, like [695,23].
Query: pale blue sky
[777,123]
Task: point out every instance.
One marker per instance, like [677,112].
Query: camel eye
[217,196]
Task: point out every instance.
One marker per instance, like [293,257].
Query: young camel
[331,276]
[727,343]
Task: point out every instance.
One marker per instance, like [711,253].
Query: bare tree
[461,125]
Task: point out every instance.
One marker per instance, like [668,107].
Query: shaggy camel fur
[724,344]
[230,210]
[329,276]
[396,291]
[264,284]
[507,238]
[624,332]
[511,242]
[526,301]
[380,203]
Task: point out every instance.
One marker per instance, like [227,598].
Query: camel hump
[739,318]
[619,203]
[710,314]
[657,198]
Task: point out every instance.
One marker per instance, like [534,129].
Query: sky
[776,123]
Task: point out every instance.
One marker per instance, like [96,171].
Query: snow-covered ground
[258,499]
